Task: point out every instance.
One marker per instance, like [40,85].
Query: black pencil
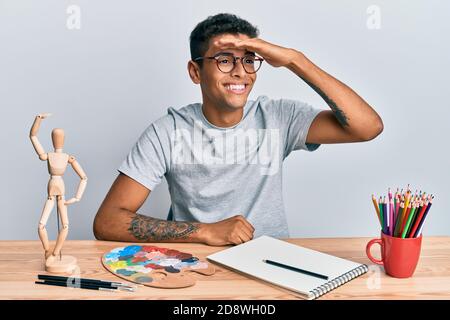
[76,284]
[81,286]
[84,281]
[309,273]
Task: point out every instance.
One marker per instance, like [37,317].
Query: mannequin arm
[83,182]
[33,136]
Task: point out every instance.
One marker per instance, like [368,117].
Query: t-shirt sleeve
[296,119]
[146,162]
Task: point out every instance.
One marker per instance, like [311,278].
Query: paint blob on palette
[155,266]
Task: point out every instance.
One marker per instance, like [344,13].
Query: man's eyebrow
[223,52]
[230,53]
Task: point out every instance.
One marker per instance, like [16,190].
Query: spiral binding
[339,281]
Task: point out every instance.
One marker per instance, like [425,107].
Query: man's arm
[350,119]
[118,220]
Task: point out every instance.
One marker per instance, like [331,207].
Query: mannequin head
[58,139]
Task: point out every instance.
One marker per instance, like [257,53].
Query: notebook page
[248,257]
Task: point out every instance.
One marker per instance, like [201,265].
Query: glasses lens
[251,63]
[225,63]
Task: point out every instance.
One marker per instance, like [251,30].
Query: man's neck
[223,118]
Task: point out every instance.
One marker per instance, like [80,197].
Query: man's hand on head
[275,55]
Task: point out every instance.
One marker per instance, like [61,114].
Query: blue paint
[171,269]
[130,250]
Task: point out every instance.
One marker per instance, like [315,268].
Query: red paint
[163,250]
[149,248]
[172,253]
[139,259]
[184,255]
[153,266]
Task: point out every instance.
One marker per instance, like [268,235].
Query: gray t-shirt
[214,173]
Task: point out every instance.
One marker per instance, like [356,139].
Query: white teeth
[236,87]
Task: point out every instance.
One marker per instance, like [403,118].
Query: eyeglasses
[226,62]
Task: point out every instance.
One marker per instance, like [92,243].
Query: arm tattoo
[147,228]
[340,115]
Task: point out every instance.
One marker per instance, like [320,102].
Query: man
[219,195]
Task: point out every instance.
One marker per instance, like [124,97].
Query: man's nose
[238,69]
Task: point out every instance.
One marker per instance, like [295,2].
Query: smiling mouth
[236,88]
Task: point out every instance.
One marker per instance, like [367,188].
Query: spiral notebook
[248,259]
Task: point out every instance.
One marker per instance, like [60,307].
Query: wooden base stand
[67,264]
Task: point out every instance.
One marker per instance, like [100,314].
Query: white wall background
[107,81]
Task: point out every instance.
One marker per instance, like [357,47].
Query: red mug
[399,256]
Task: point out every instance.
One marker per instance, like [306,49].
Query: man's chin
[237,102]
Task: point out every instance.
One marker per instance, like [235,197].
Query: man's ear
[194,71]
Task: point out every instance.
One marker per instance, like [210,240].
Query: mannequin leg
[48,207]
[62,209]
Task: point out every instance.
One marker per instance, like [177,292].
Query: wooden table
[21,261]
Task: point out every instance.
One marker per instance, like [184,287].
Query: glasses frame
[216,57]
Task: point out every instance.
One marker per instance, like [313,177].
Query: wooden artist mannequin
[57,163]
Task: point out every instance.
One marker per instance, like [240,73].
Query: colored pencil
[395,200]
[377,209]
[405,200]
[409,218]
[419,207]
[396,210]
[418,219]
[399,218]
[380,204]
[419,231]
[391,217]
[402,214]
[405,219]
[386,216]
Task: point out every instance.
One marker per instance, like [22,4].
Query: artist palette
[155,266]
